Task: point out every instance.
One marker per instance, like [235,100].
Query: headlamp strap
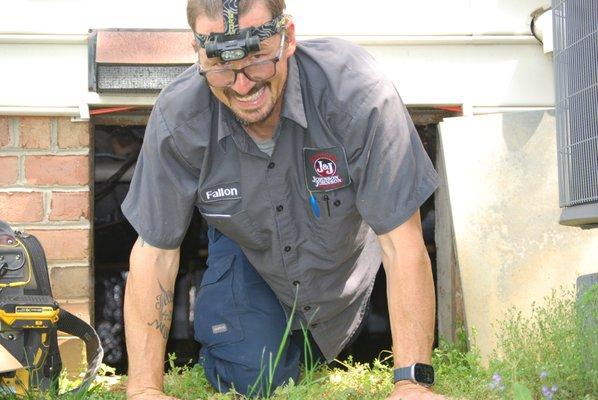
[264,31]
[230,14]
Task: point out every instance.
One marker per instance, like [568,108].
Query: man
[298,155]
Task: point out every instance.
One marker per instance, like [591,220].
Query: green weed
[552,354]
[460,372]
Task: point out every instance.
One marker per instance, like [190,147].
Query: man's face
[251,102]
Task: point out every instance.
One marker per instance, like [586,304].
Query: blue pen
[315,208]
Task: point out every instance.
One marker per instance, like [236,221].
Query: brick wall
[44,189]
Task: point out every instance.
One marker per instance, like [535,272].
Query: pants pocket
[215,319]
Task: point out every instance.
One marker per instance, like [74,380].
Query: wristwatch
[422,374]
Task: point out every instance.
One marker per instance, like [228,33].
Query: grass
[552,354]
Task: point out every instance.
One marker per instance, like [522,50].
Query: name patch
[226,191]
[325,169]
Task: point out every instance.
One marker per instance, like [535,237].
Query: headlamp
[235,44]
[232,47]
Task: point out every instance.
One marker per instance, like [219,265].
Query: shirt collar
[228,126]
[225,117]
[292,107]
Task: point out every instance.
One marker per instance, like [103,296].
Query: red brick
[57,170]
[79,309]
[35,132]
[21,207]
[69,206]
[70,282]
[72,135]
[64,244]
[4,132]
[9,170]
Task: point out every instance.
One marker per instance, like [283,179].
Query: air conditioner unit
[575,31]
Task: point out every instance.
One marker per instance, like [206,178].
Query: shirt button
[296,283]
[306,308]
[271,165]
[287,248]
[279,208]
[337,203]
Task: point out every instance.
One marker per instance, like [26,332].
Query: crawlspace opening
[116,146]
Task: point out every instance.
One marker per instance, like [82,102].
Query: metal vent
[128,61]
[136,77]
[575,24]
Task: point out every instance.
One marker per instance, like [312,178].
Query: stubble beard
[260,115]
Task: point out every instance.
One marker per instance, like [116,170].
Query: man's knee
[251,376]
[240,324]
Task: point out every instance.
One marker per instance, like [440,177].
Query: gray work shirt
[196,154]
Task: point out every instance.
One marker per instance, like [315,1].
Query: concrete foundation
[500,185]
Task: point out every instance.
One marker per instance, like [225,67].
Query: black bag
[30,319]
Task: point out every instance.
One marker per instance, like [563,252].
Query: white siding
[480,75]
[508,74]
[314,17]
[43,75]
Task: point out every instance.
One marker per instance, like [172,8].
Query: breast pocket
[339,221]
[230,219]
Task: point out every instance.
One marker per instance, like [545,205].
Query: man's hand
[149,394]
[410,391]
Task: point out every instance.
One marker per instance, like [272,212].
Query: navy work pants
[240,325]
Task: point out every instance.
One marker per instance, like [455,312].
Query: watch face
[424,373]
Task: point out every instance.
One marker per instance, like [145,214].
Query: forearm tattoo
[164,304]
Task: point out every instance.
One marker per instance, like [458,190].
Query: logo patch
[226,191]
[220,328]
[326,169]
[325,166]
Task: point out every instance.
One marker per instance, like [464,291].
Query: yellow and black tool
[30,319]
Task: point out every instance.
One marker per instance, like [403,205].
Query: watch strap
[421,374]
[404,374]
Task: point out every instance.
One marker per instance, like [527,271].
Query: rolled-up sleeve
[163,190]
[392,173]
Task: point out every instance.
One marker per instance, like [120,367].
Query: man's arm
[411,302]
[149,296]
